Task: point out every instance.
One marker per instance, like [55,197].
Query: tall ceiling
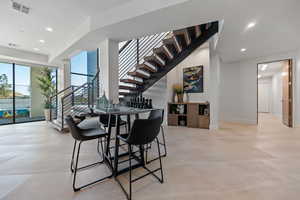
[80,25]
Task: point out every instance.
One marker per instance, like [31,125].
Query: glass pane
[78,80]
[28,97]
[92,63]
[6,93]
[79,63]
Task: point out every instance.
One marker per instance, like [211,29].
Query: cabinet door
[192,115]
[172,120]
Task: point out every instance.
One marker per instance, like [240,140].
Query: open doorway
[275,92]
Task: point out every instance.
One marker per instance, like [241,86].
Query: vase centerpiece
[178,90]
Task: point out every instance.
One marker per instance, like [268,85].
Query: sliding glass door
[6,93]
[21,99]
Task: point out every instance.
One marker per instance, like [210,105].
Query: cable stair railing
[74,101]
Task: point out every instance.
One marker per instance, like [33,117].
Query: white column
[64,75]
[109,69]
[214,84]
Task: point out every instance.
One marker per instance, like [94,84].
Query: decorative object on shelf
[175,98]
[193,79]
[47,86]
[180,109]
[185,97]
[206,112]
[178,90]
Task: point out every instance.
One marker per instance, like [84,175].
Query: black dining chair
[86,131]
[143,132]
[104,119]
[155,114]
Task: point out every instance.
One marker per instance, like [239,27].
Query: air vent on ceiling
[12,45]
[19,7]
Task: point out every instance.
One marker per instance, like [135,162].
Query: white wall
[277,95]
[199,57]
[239,88]
[158,94]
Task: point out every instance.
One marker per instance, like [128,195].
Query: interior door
[287,94]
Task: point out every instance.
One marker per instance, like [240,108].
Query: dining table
[118,110]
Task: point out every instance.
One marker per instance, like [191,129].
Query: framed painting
[193,79]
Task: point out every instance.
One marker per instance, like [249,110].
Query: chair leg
[160,163]
[163,144]
[164,141]
[76,169]
[127,193]
[130,173]
[148,146]
[72,161]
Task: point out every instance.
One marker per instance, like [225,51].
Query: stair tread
[185,33]
[198,31]
[173,40]
[145,67]
[127,80]
[125,87]
[161,49]
[138,74]
[153,58]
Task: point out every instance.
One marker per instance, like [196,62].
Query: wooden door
[287,94]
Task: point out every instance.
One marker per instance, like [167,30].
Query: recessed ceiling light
[251,25]
[42,41]
[243,50]
[36,49]
[259,76]
[49,29]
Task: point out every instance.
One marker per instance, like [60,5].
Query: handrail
[78,88]
[62,91]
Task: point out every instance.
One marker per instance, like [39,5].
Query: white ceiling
[80,25]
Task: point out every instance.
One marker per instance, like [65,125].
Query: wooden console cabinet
[193,115]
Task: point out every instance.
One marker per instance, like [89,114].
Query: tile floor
[239,162]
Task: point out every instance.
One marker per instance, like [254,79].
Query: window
[83,67]
[20,97]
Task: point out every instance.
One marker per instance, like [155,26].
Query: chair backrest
[75,131]
[144,131]
[157,113]
[104,118]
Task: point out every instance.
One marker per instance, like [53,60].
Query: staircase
[73,101]
[142,62]
[145,61]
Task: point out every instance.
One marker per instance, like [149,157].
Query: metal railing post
[137,51]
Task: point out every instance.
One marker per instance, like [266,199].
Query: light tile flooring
[237,162]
